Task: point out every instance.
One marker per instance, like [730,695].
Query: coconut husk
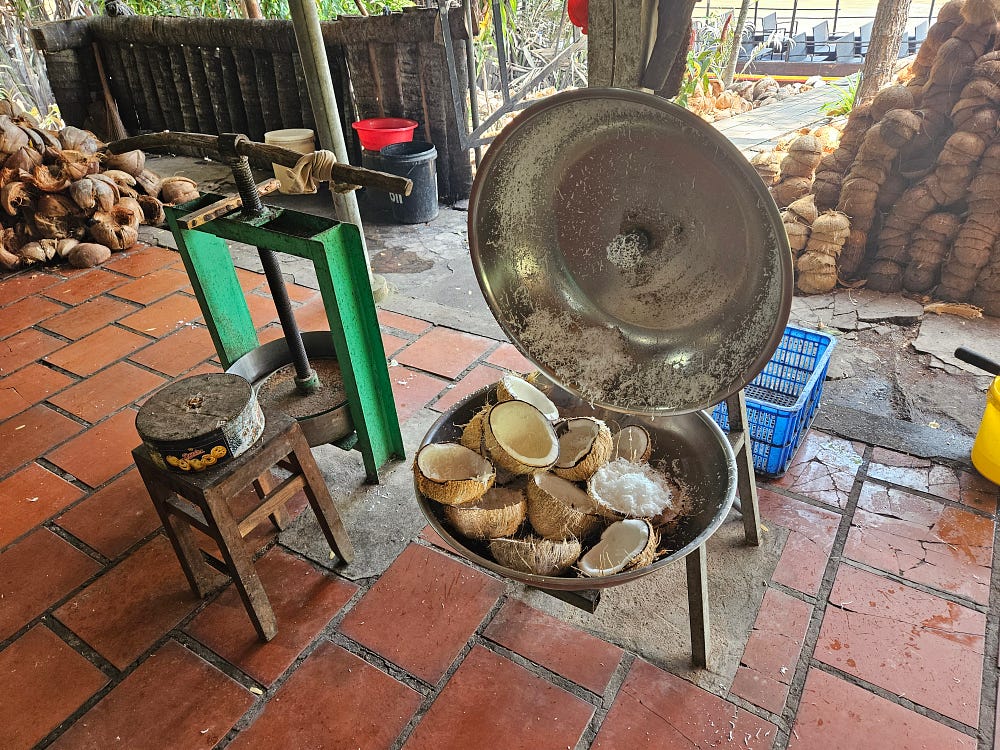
[981,120]
[885,276]
[472,433]
[803,210]
[88,254]
[447,475]
[820,247]
[921,277]
[579,468]
[533,554]
[832,223]
[962,148]
[790,189]
[799,165]
[970,252]
[988,301]
[529,417]
[816,283]
[498,513]
[899,126]
[890,192]
[559,509]
[810,262]
[980,12]
[798,235]
[826,189]
[892,97]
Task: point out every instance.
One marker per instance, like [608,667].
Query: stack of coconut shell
[545,495]
[917,169]
[65,199]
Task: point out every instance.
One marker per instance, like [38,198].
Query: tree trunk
[736,30]
[883,51]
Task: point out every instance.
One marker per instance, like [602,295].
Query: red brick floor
[874,631]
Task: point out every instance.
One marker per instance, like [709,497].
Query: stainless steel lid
[630,251]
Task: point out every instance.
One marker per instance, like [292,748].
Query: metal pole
[836,13]
[316,67]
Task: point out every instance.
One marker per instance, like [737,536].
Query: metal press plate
[630,251]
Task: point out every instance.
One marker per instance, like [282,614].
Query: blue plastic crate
[782,400]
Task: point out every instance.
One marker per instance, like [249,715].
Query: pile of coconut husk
[64,198]
[917,171]
[717,102]
[548,495]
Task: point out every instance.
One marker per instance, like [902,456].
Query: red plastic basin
[376,132]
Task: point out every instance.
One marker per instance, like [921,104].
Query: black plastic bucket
[374,203]
[416,160]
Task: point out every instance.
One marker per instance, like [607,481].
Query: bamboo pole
[316,66]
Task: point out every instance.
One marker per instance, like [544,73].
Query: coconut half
[519,438]
[558,509]
[623,488]
[584,446]
[497,513]
[451,473]
[543,557]
[512,387]
[633,444]
[625,545]
[472,433]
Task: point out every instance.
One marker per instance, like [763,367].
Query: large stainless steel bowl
[692,446]
[630,251]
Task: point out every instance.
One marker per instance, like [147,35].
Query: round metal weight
[200,422]
[324,416]
[699,457]
[630,251]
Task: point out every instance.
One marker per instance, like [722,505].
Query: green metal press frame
[337,254]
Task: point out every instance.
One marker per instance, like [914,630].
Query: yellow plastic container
[986,449]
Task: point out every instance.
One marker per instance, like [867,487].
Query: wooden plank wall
[245,76]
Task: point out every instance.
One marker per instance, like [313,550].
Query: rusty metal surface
[690,448]
[630,251]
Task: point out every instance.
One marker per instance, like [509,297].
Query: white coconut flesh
[631,489]
[621,543]
[566,492]
[448,462]
[631,443]
[524,433]
[577,440]
[520,389]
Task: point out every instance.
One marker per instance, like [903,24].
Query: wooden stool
[202,500]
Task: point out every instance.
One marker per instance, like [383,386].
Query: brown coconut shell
[816,283]
[494,442]
[559,509]
[447,489]
[499,512]
[790,189]
[581,468]
[889,98]
[799,165]
[899,127]
[832,223]
[88,255]
[532,554]
[472,433]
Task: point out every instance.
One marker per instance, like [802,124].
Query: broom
[113,125]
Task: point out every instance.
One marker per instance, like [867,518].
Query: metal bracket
[587,599]
[225,206]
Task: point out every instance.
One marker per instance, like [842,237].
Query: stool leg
[320,500]
[198,573]
[239,561]
[697,585]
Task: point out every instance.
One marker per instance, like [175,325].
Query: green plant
[844,101]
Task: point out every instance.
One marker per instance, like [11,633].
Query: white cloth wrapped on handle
[314,168]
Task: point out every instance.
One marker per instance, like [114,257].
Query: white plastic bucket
[301,140]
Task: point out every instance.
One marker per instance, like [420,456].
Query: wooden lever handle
[261,154]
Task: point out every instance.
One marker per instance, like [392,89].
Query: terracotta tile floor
[875,629]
